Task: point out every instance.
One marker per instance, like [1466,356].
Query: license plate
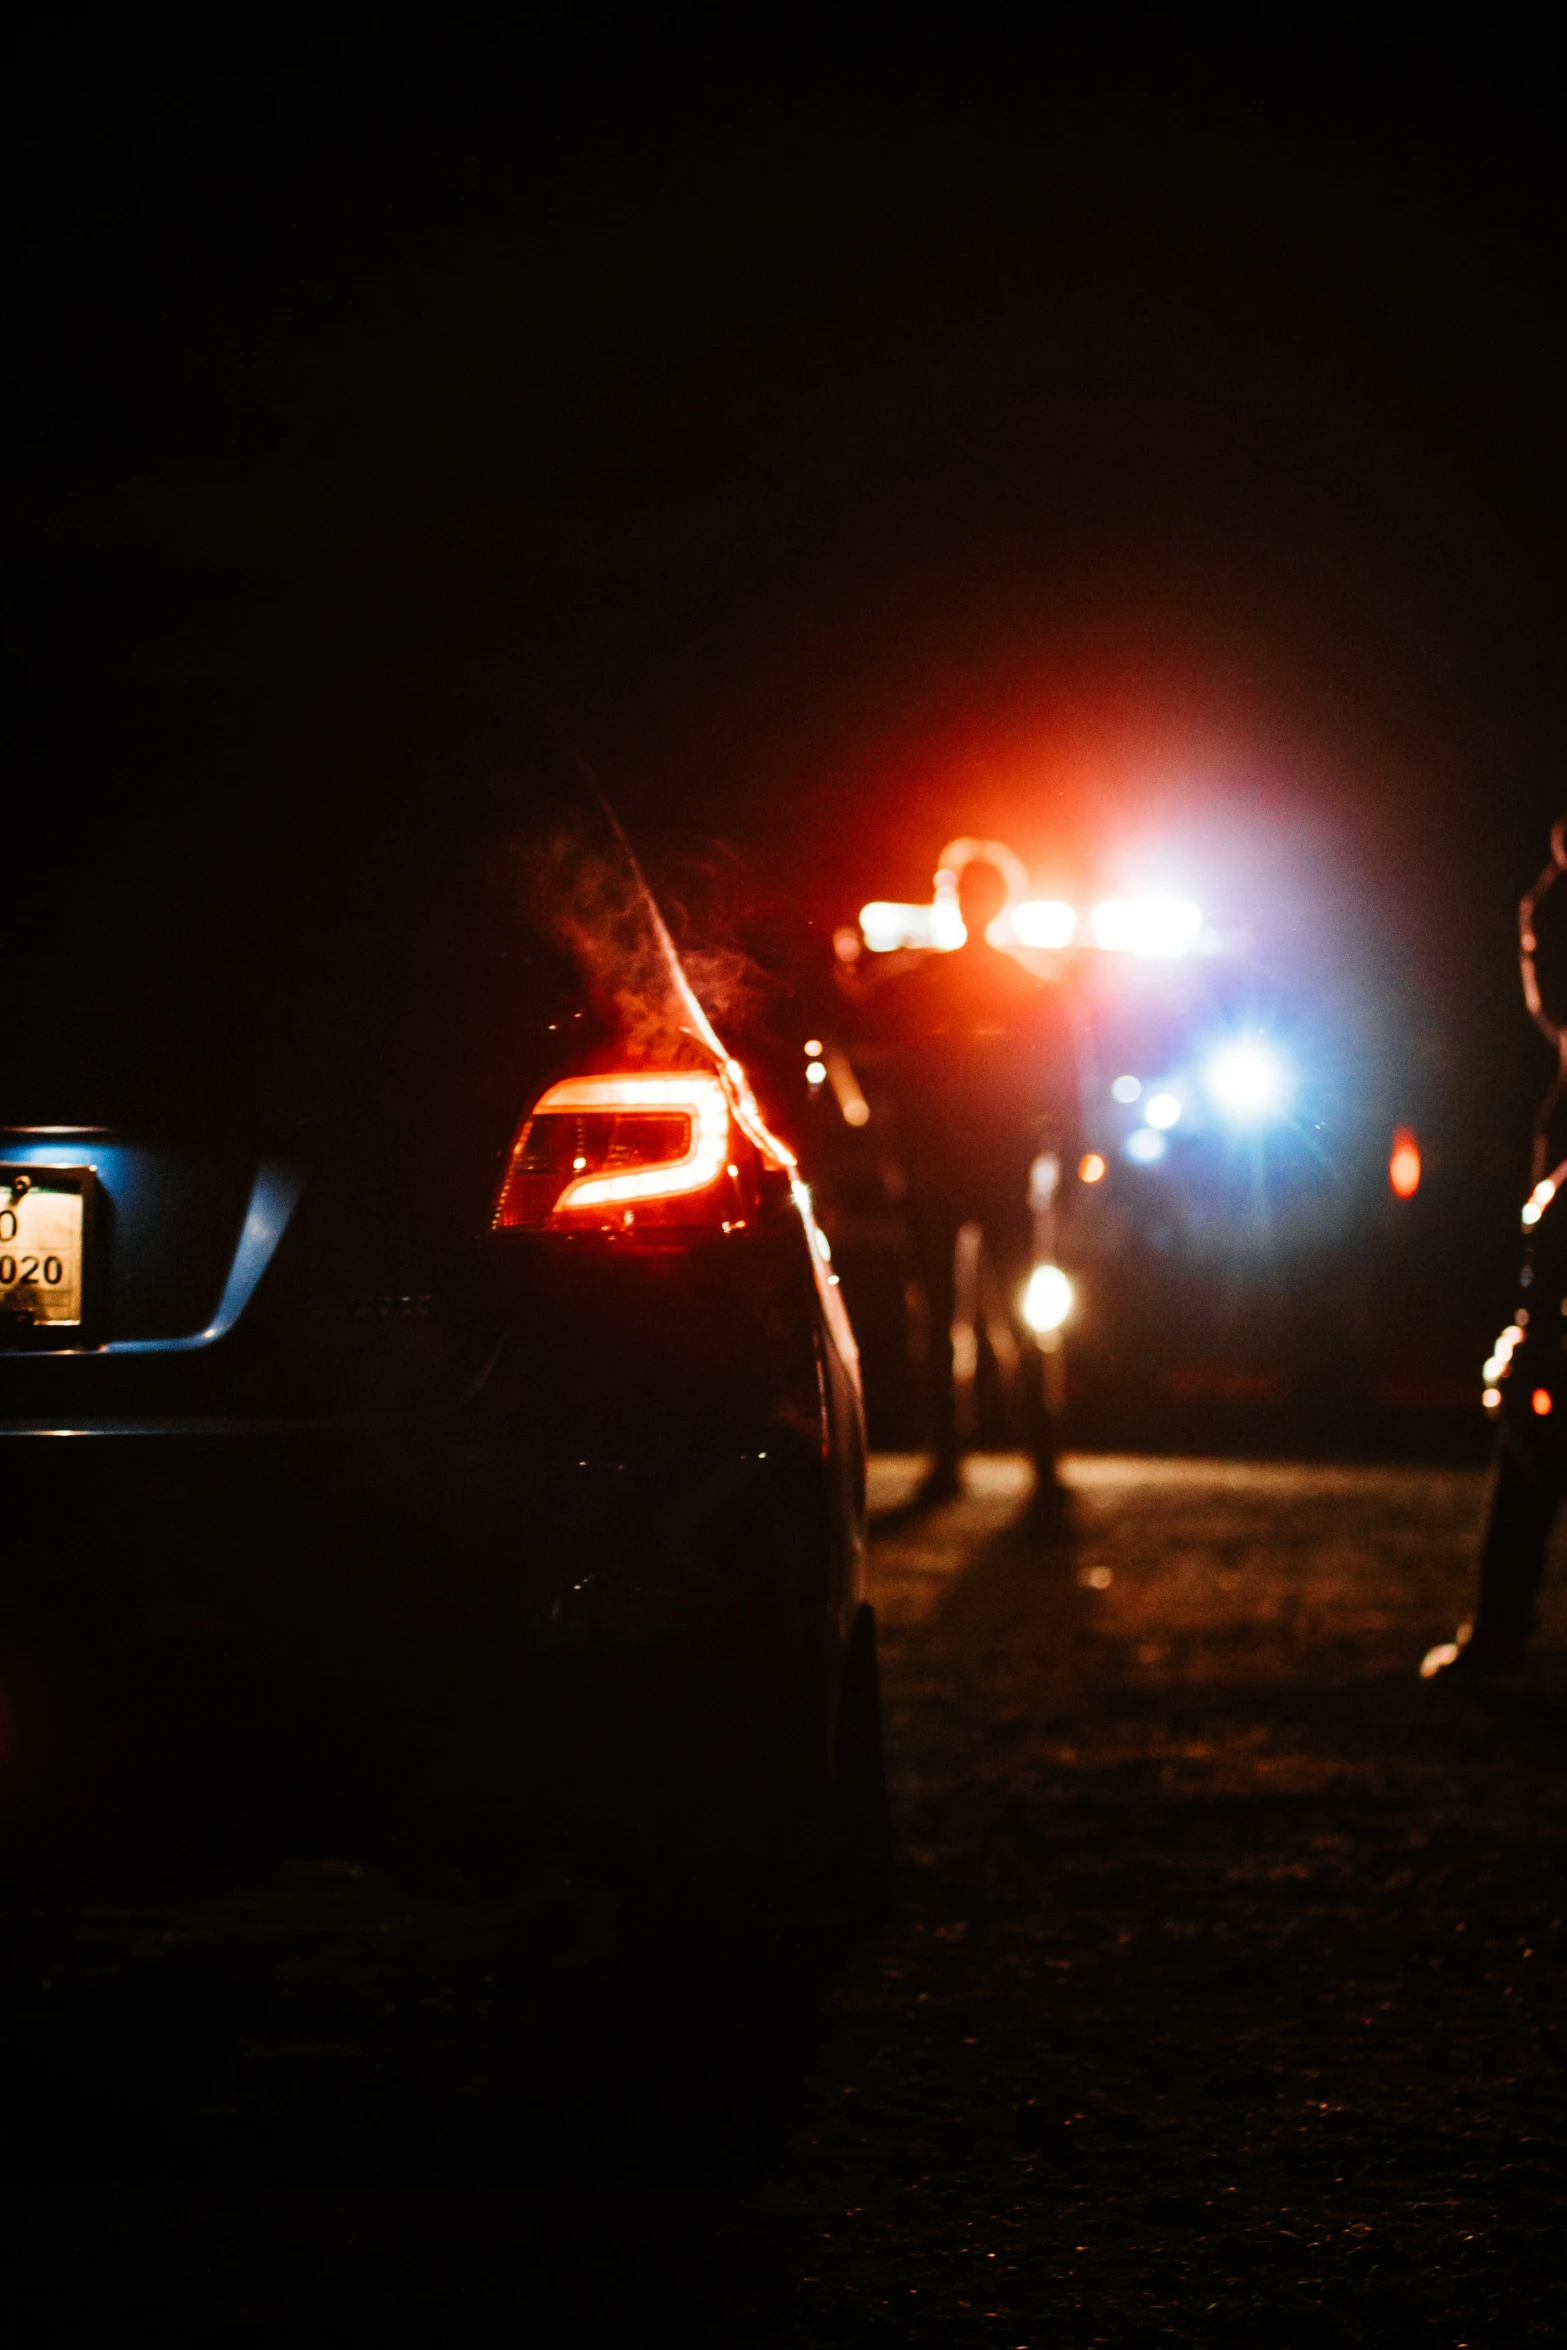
[40,1249]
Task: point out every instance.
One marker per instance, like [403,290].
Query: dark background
[1146,452]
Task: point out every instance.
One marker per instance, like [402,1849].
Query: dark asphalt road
[1227,2001]
[1224,2004]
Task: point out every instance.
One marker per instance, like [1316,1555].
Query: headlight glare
[1047,1300]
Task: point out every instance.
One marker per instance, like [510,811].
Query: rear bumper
[595,1454]
[351,1520]
[361,1642]
[612,1565]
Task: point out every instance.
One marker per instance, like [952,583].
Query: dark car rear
[379,1490]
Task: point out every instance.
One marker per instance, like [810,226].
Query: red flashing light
[1540,1403]
[1403,1168]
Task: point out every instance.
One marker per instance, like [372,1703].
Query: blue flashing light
[1247,1081]
[1145,1147]
[1126,1089]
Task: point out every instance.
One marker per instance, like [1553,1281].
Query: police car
[1224,1162]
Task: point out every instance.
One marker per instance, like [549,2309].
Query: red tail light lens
[602,1151]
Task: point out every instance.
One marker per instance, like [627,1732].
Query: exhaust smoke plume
[588,891]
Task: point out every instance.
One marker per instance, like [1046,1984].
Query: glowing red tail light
[599,1151]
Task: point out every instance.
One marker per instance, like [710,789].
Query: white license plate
[40,1250]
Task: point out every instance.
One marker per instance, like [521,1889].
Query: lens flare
[1403,1167]
[888,926]
[1539,1200]
[1043,922]
[1047,1300]
[1145,926]
[1246,1080]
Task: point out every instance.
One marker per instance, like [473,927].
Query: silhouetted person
[1530,1472]
[979,1060]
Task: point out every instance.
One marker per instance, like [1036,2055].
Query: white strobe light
[1043,922]
[1145,926]
[1246,1080]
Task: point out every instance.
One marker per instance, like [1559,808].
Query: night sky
[1148,456]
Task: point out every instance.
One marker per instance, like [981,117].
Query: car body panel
[485,1510]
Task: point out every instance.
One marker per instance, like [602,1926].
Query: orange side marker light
[1090,1167]
[1540,1403]
[1403,1168]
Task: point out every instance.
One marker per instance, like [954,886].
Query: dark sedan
[431,1424]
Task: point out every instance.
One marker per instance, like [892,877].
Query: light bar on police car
[1145,926]
[1150,926]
